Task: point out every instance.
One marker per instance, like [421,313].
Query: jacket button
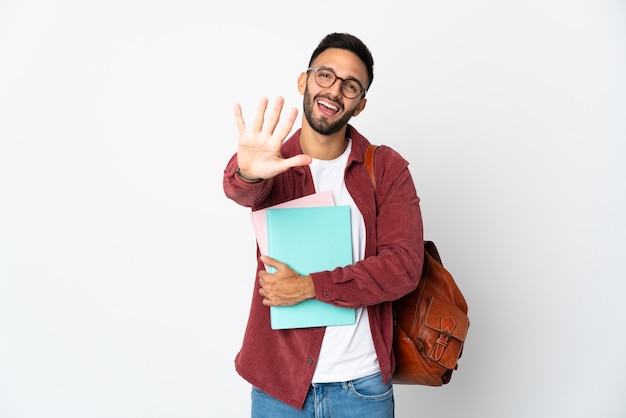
[326,293]
[309,361]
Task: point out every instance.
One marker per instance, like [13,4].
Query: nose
[336,87]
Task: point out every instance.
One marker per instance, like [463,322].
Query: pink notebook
[258,217]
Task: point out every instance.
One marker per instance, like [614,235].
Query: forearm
[392,267]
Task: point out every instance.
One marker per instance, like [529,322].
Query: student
[338,371]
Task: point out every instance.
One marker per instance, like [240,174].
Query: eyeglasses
[325,77]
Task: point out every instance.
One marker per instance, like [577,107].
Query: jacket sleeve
[392,268]
[242,192]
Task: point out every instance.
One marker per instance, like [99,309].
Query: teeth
[328,105]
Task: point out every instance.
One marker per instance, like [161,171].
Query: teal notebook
[310,239]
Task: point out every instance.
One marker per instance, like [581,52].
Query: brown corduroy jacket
[281,362]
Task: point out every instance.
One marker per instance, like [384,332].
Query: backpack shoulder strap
[369,162]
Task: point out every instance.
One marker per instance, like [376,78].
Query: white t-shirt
[347,351]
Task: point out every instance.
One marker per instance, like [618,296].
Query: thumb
[269,261]
[296,161]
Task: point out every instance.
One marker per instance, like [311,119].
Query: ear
[360,107]
[302,80]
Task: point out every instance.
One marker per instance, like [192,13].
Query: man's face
[326,109]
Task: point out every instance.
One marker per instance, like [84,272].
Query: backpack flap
[443,332]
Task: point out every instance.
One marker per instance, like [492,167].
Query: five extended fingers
[267,138]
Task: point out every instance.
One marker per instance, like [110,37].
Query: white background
[126,275]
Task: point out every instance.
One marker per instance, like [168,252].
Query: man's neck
[322,147]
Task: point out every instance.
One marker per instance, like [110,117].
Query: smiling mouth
[327,108]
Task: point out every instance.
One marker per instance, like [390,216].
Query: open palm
[258,152]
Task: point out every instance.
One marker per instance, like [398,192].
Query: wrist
[246,179]
[309,291]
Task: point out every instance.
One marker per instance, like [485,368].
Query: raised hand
[258,153]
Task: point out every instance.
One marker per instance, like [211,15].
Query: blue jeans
[360,398]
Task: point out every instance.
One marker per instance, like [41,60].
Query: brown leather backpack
[430,323]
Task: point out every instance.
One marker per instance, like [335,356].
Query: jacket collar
[292,147]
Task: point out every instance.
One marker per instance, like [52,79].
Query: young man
[343,370]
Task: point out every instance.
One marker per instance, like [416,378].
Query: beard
[322,125]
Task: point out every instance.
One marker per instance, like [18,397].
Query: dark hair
[351,43]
